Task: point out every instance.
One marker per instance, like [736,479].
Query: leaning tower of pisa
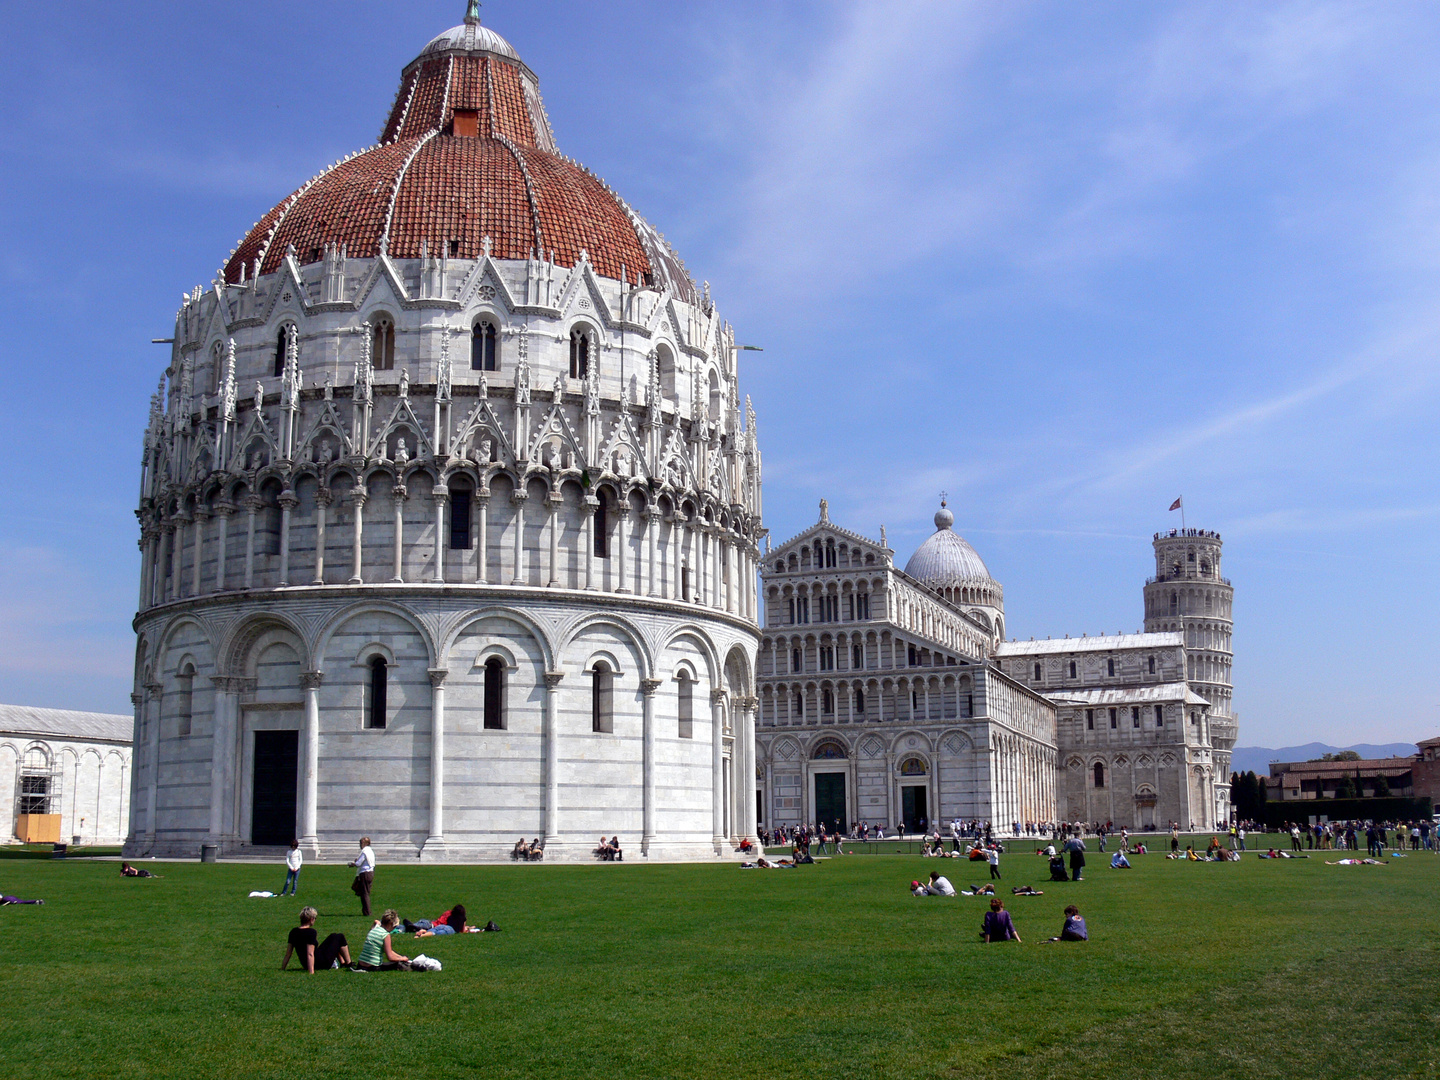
[1189,594]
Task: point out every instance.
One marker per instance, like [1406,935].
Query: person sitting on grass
[1190,855]
[126,870]
[1074,927]
[378,954]
[447,922]
[997,925]
[939,886]
[1139,849]
[315,955]
[1118,861]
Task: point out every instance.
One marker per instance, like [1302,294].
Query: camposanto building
[449,512]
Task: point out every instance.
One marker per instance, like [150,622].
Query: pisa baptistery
[448,513]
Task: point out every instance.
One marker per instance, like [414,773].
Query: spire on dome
[472,13]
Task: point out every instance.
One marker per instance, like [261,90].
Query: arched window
[859,702]
[912,657]
[602,524]
[715,398]
[217,365]
[1110,668]
[799,713]
[685,706]
[857,657]
[579,353]
[1099,774]
[1159,715]
[1174,603]
[1089,719]
[382,353]
[795,660]
[827,702]
[375,709]
[1072,669]
[1037,671]
[484,353]
[280,344]
[602,697]
[1152,665]
[185,698]
[495,694]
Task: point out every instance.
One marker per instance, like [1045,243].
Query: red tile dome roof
[466,153]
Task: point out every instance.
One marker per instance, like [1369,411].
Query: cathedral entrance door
[272,810]
[912,803]
[830,800]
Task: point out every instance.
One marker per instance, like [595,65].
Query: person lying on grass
[980,890]
[1357,862]
[314,955]
[447,922]
[4,900]
[378,954]
[1074,928]
[126,870]
[997,925]
[1026,890]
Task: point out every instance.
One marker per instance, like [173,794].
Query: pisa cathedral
[895,697]
[449,512]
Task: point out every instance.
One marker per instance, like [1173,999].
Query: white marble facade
[454,471]
[75,764]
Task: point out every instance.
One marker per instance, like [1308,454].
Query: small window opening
[579,354]
[1110,668]
[1159,715]
[859,702]
[857,657]
[459,519]
[1135,716]
[280,344]
[1037,673]
[1112,719]
[495,694]
[185,695]
[1152,665]
[602,698]
[375,705]
[1099,775]
[467,123]
[686,704]
[827,702]
[1089,719]
[1072,669]
[602,525]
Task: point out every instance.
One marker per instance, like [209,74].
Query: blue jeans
[292,882]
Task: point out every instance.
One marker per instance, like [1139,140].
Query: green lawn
[1258,969]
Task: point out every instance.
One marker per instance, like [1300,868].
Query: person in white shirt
[939,886]
[364,875]
[993,857]
[293,859]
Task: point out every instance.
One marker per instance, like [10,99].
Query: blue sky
[1065,262]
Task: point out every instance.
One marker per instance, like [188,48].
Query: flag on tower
[1177,503]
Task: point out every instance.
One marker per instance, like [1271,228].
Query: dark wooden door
[272,808]
[913,806]
[830,800]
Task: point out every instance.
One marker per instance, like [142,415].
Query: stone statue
[402,453]
[405,382]
[259,395]
[329,386]
[824,510]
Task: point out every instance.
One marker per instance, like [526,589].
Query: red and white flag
[1177,503]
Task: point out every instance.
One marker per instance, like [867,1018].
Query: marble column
[222,749]
[652,542]
[553,502]
[202,515]
[590,505]
[518,501]
[322,511]
[435,842]
[677,543]
[310,763]
[152,754]
[441,497]
[357,499]
[482,535]
[137,702]
[552,758]
[224,509]
[400,495]
[647,834]
[164,572]
[717,762]
[622,545]
[749,812]
[253,505]
[288,502]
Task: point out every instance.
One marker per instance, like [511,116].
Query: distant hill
[1258,758]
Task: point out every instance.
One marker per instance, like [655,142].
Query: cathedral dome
[946,559]
[466,158]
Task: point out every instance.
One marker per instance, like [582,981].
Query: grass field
[1257,969]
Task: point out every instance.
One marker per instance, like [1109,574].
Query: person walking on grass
[293,860]
[993,857]
[364,875]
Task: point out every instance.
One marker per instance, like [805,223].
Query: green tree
[1382,787]
[1345,789]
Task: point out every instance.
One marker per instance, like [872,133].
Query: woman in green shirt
[378,954]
